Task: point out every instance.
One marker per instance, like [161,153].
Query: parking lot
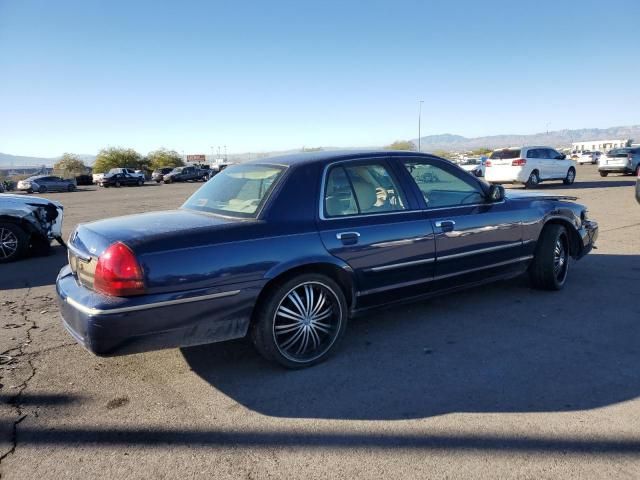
[497,381]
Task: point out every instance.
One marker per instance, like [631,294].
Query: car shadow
[499,348]
[33,271]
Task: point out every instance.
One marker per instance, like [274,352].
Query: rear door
[368,220]
[475,238]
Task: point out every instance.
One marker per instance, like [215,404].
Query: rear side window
[506,154]
[361,189]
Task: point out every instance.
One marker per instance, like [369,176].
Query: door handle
[446,225]
[348,238]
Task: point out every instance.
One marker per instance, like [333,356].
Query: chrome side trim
[484,267]
[480,250]
[136,308]
[442,277]
[391,266]
[82,256]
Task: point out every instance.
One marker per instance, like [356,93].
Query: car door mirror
[561,156]
[496,193]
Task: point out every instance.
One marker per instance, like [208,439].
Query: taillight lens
[118,272]
[487,163]
[518,162]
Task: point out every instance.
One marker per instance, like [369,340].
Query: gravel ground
[500,381]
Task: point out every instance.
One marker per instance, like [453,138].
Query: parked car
[84,180]
[158,174]
[587,157]
[28,224]
[185,174]
[288,248]
[529,166]
[620,160]
[120,179]
[46,183]
[129,171]
[473,165]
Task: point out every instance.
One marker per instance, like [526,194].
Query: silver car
[46,183]
[620,160]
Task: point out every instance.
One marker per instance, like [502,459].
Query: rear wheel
[570,178]
[300,321]
[70,188]
[42,189]
[140,182]
[534,179]
[550,266]
[117,184]
[637,173]
[13,242]
[604,174]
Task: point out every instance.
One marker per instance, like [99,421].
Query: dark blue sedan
[288,249]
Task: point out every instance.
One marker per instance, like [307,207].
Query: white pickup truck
[129,171]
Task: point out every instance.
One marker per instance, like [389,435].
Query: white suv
[529,166]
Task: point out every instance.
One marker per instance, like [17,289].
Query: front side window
[361,189]
[238,191]
[441,188]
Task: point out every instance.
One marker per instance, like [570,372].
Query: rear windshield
[619,152]
[506,154]
[237,191]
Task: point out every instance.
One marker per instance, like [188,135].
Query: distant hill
[558,138]
[8,160]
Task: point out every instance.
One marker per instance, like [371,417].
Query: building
[599,145]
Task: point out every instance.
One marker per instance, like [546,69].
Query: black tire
[604,174]
[533,180]
[117,184]
[550,265]
[71,188]
[140,183]
[637,172]
[30,191]
[571,177]
[14,242]
[42,189]
[279,308]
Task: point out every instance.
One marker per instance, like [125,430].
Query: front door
[370,223]
[475,238]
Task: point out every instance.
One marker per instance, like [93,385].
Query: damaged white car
[28,225]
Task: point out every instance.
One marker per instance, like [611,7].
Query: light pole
[548,123]
[420,102]
[225,153]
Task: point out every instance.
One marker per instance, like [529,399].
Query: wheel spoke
[319,304]
[282,329]
[308,291]
[304,342]
[321,316]
[294,338]
[288,313]
[315,338]
[297,301]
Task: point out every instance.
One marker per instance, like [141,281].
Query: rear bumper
[615,168]
[109,326]
[505,174]
[588,235]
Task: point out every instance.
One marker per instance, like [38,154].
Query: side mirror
[562,157]
[496,193]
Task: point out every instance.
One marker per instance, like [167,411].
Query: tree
[164,158]
[444,154]
[114,157]
[69,165]
[478,152]
[402,145]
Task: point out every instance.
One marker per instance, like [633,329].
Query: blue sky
[80,75]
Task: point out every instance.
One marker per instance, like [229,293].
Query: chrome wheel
[560,259]
[8,243]
[307,321]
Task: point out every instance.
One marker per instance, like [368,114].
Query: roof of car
[333,155]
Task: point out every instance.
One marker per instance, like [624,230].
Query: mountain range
[429,143]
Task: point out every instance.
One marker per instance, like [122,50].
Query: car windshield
[237,191]
[506,154]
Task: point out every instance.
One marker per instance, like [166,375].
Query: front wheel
[140,182]
[117,184]
[13,242]
[42,189]
[550,265]
[533,180]
[300,321]
[604,174]
[570,178]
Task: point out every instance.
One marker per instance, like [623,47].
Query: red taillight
[518,162]
[487,163]
[118,272]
